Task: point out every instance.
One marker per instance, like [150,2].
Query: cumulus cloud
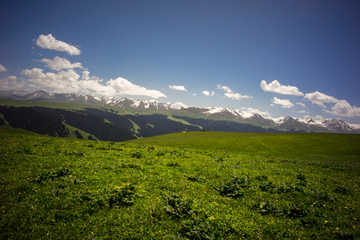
[12,78]
[225,88]
[285,103]
[301,104]
[64,81]
[2,68]
[123,86]
[11,82]
[230,94]
[343,108]
[276,87]
[207,93]
[175,87]
[320,98]
[70,81]
[59,63]
[50,42]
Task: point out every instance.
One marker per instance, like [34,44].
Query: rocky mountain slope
[306,124]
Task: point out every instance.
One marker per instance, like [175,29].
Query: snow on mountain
[177,106]
[335,125]
[354,126]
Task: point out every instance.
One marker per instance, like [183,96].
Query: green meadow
[197,185]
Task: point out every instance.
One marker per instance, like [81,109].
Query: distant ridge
[306,124]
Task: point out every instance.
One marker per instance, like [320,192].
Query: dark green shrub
[266,208]
[160,153]
[280,188]
[173,164]
[195,178]
[261,178]
[302,179]
[325,196]
[52,174]
[136,155]
[310,222]
[233,188]
[123,196]
[199,228]
[298,210]
[342,190]
[178,206]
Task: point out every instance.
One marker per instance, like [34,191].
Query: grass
[198,187]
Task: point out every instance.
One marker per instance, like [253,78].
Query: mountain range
[206,118]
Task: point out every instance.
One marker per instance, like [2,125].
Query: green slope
[61,188]
[297,145]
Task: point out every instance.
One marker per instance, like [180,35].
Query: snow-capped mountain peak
[306,123]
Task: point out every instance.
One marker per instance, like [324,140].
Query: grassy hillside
[203,185]
[317,146]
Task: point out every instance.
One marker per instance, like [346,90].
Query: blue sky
[223,53]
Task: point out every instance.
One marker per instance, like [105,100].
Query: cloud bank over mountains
[341,107]
[67,77]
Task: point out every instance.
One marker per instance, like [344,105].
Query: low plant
[270,187]
[199,228]
[60,172]
[136,155]
[178,206]
[342,190]
[173,164]
[266,207]
[234,187]
[261,178]
[298,210]
[123,196]
[195,178]
[302,179]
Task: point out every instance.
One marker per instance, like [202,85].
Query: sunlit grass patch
[144,191]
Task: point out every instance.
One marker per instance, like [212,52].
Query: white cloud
[4,84]
[254,110]
[285,103]
[207,93]
[12,78]
[301,104]
[319,118]
[64,81]
[123,86]
[59,63]
[2,68]
[230,94]
[276,87]
[236,96]
[11,82]
[320,98]
[343,108]
[50,42]
[303,111]
[175,87]
[227,89]
[69,81]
